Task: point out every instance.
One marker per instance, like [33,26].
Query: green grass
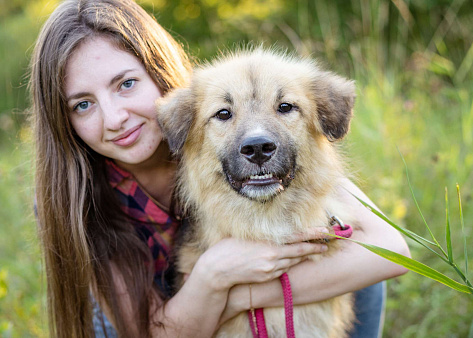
[429,129]
[22,296]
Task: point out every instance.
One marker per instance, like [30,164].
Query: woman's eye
[128,83]
[285,107]
[223,115]
[81,106]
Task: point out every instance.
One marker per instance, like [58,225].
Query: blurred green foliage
[412,61]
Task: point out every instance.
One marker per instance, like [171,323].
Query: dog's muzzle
[261,169]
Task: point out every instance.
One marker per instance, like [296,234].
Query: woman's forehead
[97,60]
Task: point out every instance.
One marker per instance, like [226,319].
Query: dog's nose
[258,149]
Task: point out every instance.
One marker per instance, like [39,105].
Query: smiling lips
[129,137]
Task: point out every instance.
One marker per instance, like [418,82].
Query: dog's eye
[285,107]
[223,114]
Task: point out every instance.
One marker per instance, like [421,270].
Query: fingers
[281,266]
[289,255]
[233,261]
[285,264]
[300,250]
[318,233]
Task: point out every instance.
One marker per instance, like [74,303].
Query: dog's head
[255,117]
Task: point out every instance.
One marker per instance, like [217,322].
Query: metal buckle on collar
[334,220]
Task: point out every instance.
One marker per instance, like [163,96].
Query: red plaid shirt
[152,224]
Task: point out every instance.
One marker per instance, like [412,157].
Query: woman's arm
[349,269]
[196,309]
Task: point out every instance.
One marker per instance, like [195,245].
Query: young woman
[104,182]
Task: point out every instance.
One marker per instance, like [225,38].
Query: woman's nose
[114,115]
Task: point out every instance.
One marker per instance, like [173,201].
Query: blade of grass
[461,274]
[415,237]
[465,66]
[448,234]
[418,207]
[399,228]
[463,229]
[414,266]
[419,239]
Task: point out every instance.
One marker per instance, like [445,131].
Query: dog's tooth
[261,177]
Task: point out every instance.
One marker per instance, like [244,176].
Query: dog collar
[341,229]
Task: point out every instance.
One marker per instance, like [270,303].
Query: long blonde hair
[81,229]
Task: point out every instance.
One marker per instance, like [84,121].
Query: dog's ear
[175,114]
[335,97]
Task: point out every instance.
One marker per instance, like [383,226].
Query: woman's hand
[232,264]
[232,261]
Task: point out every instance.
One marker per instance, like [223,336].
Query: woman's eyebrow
[120,76]
[76,96]
[116,78]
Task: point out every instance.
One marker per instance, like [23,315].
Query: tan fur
[252,85]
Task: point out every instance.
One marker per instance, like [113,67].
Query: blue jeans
[102,326]
[369,308]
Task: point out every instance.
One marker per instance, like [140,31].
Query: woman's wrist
[238,301]
[268,294]
[240,297]
[207,275]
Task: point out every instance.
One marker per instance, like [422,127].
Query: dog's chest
[257,222]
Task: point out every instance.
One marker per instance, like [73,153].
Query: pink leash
[339,231]
[260,330]
[288,306]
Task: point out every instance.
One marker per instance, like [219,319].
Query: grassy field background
[412,61]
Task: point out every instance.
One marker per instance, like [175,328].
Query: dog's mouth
[261,186]
[261,180]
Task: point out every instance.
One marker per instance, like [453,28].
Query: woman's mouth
[129,137]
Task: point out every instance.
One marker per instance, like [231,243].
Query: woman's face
[111,102]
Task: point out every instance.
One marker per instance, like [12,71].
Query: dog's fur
[213,180]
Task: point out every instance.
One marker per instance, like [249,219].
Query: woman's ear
[335,97]
[175,114]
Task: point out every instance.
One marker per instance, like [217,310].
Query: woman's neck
[156,175]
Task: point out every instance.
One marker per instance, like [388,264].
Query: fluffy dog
[255,133]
